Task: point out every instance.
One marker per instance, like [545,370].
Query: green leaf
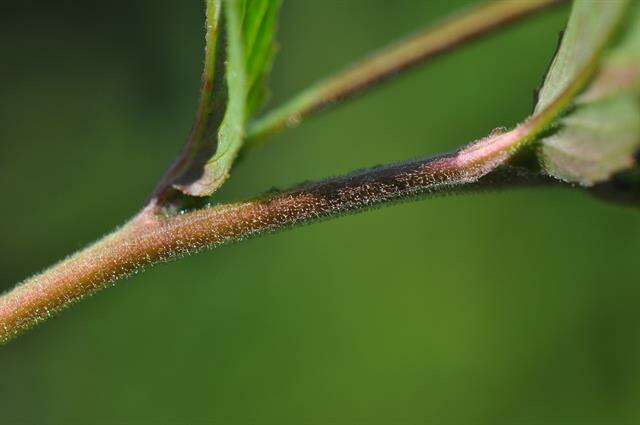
[620,71]
[601,135]
[259,25]
[226,103]
[590,27]
[595,141]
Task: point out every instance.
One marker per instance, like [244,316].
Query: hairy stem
[421,47]
[150,238]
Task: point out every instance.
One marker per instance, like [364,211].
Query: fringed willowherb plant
[583,133]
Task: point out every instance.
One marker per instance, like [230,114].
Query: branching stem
[151,237]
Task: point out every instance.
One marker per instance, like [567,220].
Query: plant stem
[150,238]
[421,47]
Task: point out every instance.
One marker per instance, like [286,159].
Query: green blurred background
[498,308]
